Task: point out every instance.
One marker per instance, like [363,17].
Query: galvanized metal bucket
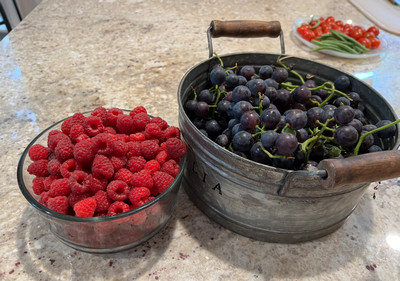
[272,204]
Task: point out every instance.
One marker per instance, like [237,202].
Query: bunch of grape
[260,115]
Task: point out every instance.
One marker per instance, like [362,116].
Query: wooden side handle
[245,28]
[365,168]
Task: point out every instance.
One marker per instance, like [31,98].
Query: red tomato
[326,27]
[365,41]
[339,23]
[369,35]
[318,31]
[356,33]
[374,30]
[375,43]
[309,35]
[330,19]
[346,30]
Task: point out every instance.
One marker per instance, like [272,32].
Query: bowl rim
[32,200]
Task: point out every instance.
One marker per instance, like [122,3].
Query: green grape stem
[357,148]
[279,61]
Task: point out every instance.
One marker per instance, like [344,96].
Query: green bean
[348,38]
[338,45]
[316,25]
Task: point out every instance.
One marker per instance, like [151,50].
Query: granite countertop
[72,56]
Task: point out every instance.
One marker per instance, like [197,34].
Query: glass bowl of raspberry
[106,180]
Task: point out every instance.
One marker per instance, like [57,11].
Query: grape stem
[357,148]
[270,155]
[279,61]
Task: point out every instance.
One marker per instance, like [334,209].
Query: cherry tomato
[365,41]
[326,27]
[330,19]
[374,30]
[356,33]
[339,23]
[346,30]
[309,35]
[369,35]
[375,43]
[318,31]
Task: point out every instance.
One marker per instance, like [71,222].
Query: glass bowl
[105,234]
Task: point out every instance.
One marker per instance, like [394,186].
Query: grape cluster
[259,114]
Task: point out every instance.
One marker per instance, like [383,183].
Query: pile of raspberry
[105,163]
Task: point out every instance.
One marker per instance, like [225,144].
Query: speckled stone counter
[72,56]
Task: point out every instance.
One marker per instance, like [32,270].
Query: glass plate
[372,53]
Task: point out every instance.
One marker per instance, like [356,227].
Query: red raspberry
[66,126]
[82,138]
[39,168]
[37,152]
[160,122]
[171,132]
[117,207]
[60,187]
[152,166]
[171,167]
[58,204]
[100,112]
[95,184]
[138,109]
[74,198]
[78,119]
[125,124]
[102,167]
[142,178]
[162,157]
[135,163]
[85,207]
[64,150]
[140,120]
[138,196]
[44,197]
[112,116]
[137,137]
[38,185]
[118,190]
[76,132]
[118,162]
[68,167]
[53,166]
[149,149]
[123,174]
[93,126]
[120,148]
[110,130]
[152,130]
[103,143]
[134,149]
[162,181]
[48,180]
[83,151]
[103,202]
[77,182]
[176,148]
[54,137]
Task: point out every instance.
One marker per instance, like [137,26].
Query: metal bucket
[272,204]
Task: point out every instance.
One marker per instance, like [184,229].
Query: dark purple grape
[322,93]
[199,122]
[284,163]
[242,80]
[237,128]
[342,82]
[346,135]
[190,107]
[270,118]
[240,107]
[206,96]
[213,128]
[280,74]
[302,135]
[271,93]
[314,114]
[247,71]
[272,83]
[358,114]
[329,107]
[249,120]
[265,102]
[233,122]
[202,109]
[217,75]
[241,93]
[327,115]
[314,101]
[300,106]
[222,140]
[355,99]
[223,107]
[232,80]
[374,148]
[310,83]
[341,101]
[369,127]
[265,72]
[286,143]
[357,124]
[302,94]
[388,132]
[282,99]
[258,155]
[268,138]
[344,114]
[242,141]
[256,86]
[296,118]
[367,142]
